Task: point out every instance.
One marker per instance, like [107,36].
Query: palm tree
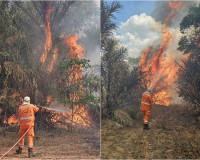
[107,17]
[113,71]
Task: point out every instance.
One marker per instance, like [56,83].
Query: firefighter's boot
[19,151]
[30,153]
[146,127]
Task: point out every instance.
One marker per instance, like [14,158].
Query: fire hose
[144,148]
[21,137]
[16,143]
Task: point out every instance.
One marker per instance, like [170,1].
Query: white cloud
[138,32]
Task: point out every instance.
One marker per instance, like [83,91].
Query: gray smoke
[83,19]
[162,10]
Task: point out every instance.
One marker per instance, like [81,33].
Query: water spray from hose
[153,83]
[56,109]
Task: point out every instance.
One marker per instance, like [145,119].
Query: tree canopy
[189,44]
[118,73]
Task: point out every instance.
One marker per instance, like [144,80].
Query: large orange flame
[75,50]
[54,57]
[48,42]
[12,120]
[161,69]
[80,115]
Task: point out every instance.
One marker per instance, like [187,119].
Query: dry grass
[120,143]
[123,118]
[52,144]
[174,134]
[110,124]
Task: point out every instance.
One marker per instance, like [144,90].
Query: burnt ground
[54,144]
[174,134]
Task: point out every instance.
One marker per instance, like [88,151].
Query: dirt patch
[174,134]
[56,144]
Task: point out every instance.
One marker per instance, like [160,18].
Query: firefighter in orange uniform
[26,116]
[145,107]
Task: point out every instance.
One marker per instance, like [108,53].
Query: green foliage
[107,17]
[89,98]
[65,86]
[76,63]
[190,26]
[189,82]
[133,62]
[114,71]
[189,78]
[191,19]
[15,60]
[119,76]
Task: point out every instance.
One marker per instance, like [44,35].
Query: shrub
[123,118]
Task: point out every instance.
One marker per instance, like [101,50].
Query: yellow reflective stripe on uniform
[146,103]
[147,94]
[26,106]
[20,144]
[27,117]
[30,144]
[145,120]
[148,111]
[22,106]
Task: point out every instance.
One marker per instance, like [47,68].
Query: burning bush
[50,118]
[31,54]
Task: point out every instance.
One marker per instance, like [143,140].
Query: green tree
[15,61]
[189,44]
[107,17]
[114,71]
[73,91]
[118,76]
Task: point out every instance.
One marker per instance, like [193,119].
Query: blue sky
[133,8]
[133,25]
[137,28]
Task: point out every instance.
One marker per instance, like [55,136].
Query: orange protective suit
[145,107]
[26,116]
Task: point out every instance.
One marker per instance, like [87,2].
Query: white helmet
[27,99]
[149,89]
